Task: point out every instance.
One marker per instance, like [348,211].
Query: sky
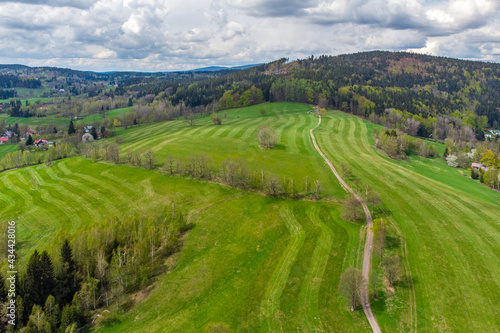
[166,35]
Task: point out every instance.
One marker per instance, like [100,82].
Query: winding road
[365,296]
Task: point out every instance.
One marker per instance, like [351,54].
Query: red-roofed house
[40,142]
[4,139]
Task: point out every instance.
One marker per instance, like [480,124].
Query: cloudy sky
[163,35]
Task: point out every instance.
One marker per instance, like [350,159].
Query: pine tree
[47,280]
[71,128]
[66,279]
[29,140]
[93,131]
[68,317]
[54,130]
[32,291]
[130,103]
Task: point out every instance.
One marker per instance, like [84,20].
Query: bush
[267,137]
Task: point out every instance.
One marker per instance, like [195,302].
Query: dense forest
[362,83]
[13,81]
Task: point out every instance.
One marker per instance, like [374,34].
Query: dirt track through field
[365,297]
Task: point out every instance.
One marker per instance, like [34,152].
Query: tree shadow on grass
[110,322]
[379,305]
[405,282]
[393,242]
[279,146]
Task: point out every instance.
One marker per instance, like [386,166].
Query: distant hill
[364,83]
[220,68]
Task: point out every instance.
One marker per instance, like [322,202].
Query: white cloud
[161,35]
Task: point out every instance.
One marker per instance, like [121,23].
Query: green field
[449,223]
[35,121]
[111,113]
[7,148]
[247,257]
[51,120]
[293,157]
[264,264]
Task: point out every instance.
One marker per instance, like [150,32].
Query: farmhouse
[4,139]
[8,134]
[478,166]
[41,142]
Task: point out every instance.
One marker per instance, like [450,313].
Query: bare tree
[350,285]
[318,188]
[274,187]
[380,232]
[374,282]
[350,209]
[267,137]
[189,117]
[216,119]
[372,198]
[392,269]
[169,164]
[179,166]
[149,155]
[114,152]
[412,126]
[346,170]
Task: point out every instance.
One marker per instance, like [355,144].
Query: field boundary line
[365,297]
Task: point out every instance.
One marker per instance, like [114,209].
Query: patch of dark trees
[12,81]
[7,93]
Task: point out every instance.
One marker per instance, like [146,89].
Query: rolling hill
[267,264]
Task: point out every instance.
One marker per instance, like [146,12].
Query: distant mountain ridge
[19,67]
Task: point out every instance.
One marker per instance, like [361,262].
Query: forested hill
[362,83]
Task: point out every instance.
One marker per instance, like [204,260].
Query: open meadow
[258,263]
[449,227]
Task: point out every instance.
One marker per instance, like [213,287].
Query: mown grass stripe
[429,191]
[309,295]
[271,303]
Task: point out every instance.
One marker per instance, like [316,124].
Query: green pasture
[264,264]
[449,225]
[252,262]
[35,121]
[293,157]
[110,114]
[7,148]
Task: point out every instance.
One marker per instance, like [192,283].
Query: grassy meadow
[249,261]
[98,117]
[265,264]
[449,228]
[293,157]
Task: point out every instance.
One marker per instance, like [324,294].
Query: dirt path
[365,297]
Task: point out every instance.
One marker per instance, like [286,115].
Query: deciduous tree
[350,285]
